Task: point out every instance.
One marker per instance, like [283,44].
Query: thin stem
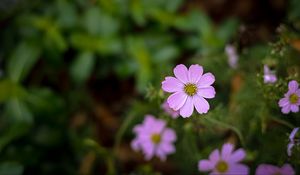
[225,125]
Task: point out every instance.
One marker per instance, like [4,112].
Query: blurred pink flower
[292,141]
[291,99]
[170,111]
[226,163]
[267,169]
[189,89]
[153,138]
[232,56]
[269,76]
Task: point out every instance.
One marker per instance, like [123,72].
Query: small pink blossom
[225,163]
[190,87]
[291,99]
[293,141]
[170,111]
[269,76]
[232,56]
[267,169]
[153,138]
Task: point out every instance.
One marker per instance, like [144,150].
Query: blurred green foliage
[51,51]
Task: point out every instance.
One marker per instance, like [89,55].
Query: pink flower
[226,163]
[232,56]
[170,111]
[293,141]
[269,76]
[291,99]
[154,138]
[266,169]
[189,89]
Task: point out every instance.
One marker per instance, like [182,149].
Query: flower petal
[226,151]
[148,149]
[238,169]
[214,156]
[201,104]
[177,100]
[171,84]
[294,108]
[188,108]
[283,102]
[286,109]
[207,92]
[195,73]
[168,135]
[181,73]
[293,133]
[206,80]
[205,165]
[287,169]
[135,145]
[237,156]
[293,85]
[265,169]
[289,149]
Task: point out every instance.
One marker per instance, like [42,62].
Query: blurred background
[77,75]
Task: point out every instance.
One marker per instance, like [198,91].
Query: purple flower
[226,163]
[170,111]
[232,56]
[189,89]
[291,99]
[293,141]
[267,169]
[269,76]
[154,138]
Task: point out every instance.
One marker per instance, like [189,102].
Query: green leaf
[15,130]
[43,101]
[98,22]
[17,110]
[139,52]
[82,67]
[227,30]
[22,60]
[10,168]
[9,89]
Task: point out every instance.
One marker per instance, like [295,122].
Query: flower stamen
[155,138]
[293,98]
[190,89]
[222,166]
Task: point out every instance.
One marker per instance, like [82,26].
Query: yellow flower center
[294,98]
[190,89]
[155,138]
[222,166]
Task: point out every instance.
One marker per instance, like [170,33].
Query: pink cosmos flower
[293,141]
[189,89]
[170,111]
[267,169]
[153,138]
[225,163]
[291,99]
[232,56]
[269,76]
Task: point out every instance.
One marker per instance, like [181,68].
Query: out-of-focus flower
[269,76]
[153,138]
[291,99]
[267,169]
[293,141]
[189,88]
[170,111]
[232,56]
[226,163]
